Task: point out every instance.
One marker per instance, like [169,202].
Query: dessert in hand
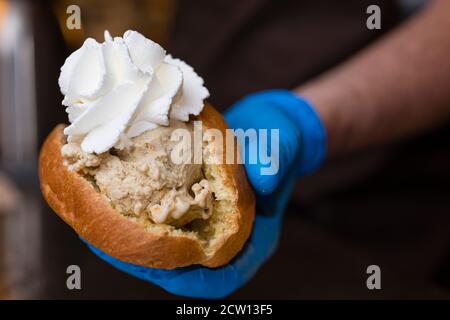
[111,173]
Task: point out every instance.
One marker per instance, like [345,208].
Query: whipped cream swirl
[118,89]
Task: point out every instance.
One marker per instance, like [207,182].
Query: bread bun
[211,243]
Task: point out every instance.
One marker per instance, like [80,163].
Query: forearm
[392,89]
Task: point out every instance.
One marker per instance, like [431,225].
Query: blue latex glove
[301,151]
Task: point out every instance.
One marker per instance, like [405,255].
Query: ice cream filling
[141,180]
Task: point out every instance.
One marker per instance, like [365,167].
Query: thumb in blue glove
[301,135]
[301,150]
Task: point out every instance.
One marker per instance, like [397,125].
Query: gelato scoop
[142,181]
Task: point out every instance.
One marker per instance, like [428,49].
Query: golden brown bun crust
[89,213]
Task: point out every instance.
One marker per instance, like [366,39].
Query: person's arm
[390,90]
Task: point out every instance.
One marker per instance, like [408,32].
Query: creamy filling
[141,180]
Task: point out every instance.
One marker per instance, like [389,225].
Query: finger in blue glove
[300,133]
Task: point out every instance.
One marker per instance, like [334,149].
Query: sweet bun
[211,243]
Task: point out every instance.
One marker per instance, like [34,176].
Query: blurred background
[386,206]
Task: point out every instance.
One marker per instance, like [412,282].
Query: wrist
[313,147]
[329,103]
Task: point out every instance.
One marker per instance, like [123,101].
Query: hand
[301,150]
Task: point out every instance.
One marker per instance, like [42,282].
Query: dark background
[388,206]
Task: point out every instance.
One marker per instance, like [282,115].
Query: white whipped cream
[118,89]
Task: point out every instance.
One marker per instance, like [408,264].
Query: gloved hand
[301,150]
